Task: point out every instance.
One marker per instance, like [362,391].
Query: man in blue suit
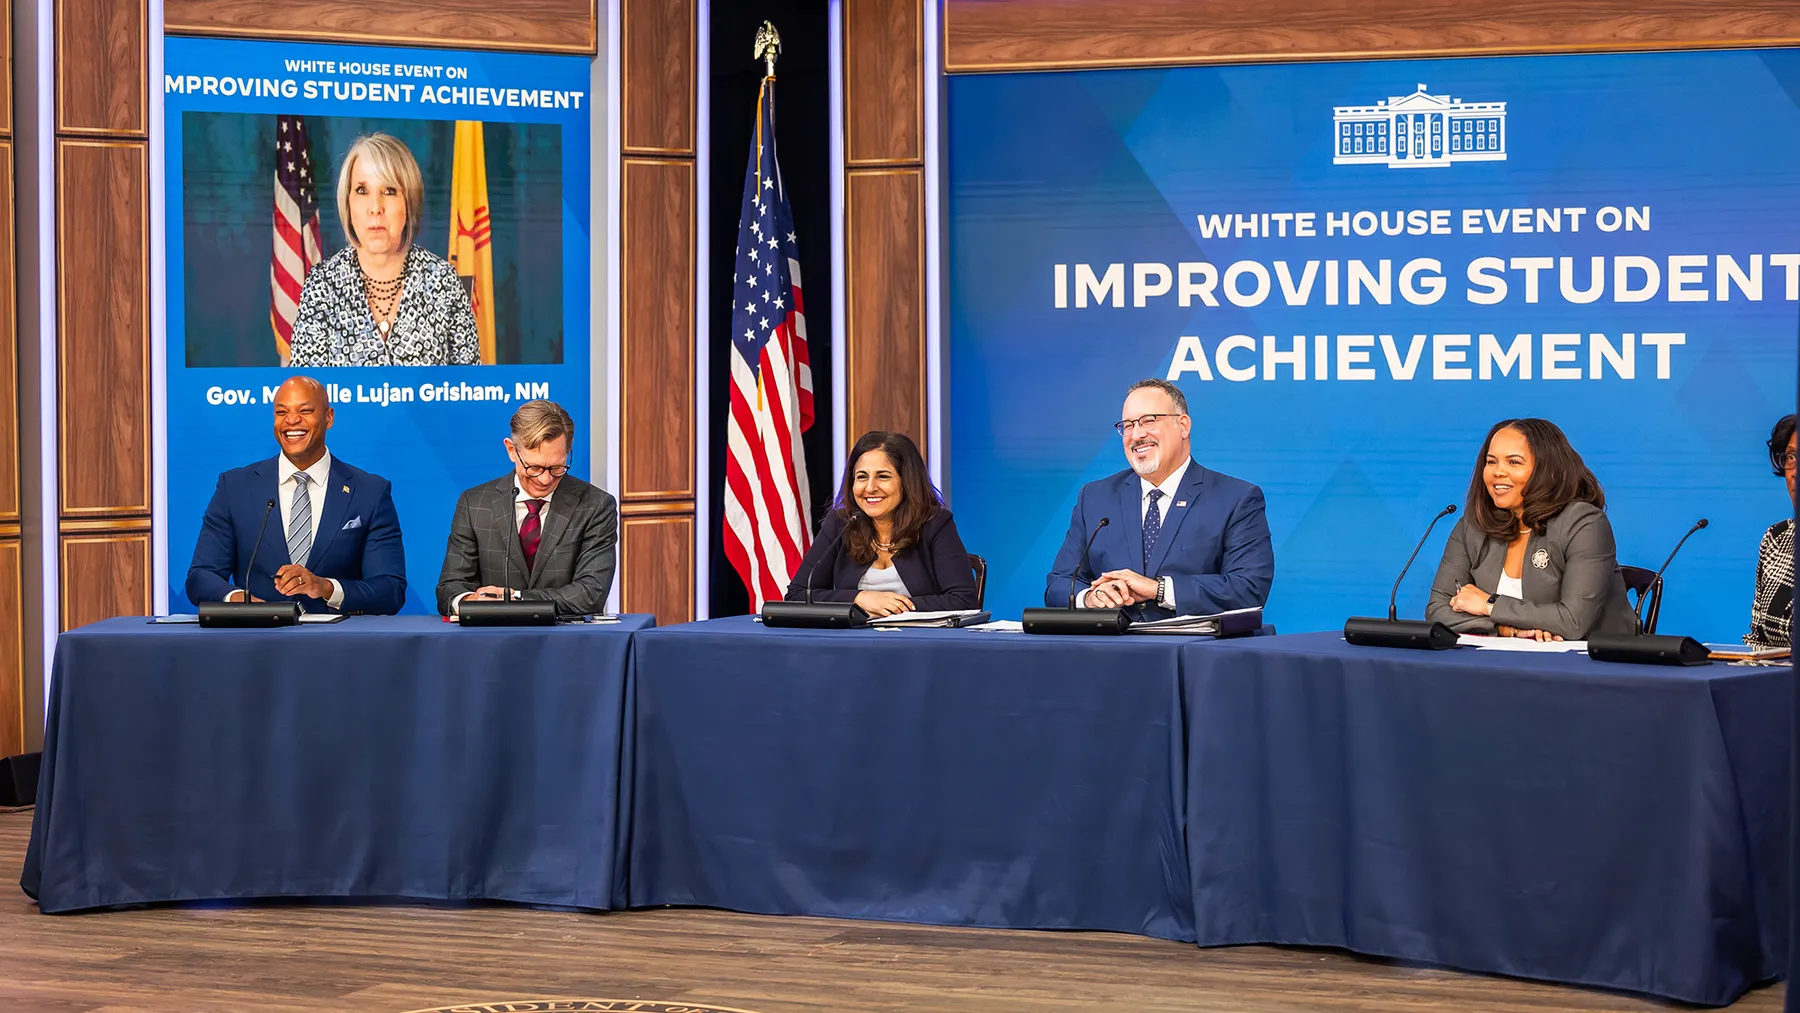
[330,534]
[1179,539]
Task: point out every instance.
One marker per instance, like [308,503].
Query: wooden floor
[388,959]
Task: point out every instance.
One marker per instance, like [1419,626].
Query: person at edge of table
[1180,539]
[537,531]
[888,543]
[1533,554]
[330,534]
[1772,608]
[383,300]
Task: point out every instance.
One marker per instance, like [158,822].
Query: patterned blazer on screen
[433,324]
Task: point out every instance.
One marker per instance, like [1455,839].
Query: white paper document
[947,617]
[1000,626]
[1207,625]
[1521,644]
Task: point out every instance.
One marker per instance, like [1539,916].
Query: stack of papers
[950,617]
[1217,624]
[1521,644]
[1000,626]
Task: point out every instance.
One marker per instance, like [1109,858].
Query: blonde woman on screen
[383,300]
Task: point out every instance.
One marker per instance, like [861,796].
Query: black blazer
[1571,578]
[935,568]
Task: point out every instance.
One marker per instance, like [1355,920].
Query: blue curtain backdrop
[228,184]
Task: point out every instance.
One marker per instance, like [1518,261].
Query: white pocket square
[354,522]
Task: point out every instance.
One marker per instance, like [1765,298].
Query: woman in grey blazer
[1533,555]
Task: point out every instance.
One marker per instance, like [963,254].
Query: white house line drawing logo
[1419,131]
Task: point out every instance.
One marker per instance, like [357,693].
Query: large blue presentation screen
[1353,270]
[257,136]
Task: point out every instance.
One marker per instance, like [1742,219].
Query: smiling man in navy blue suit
[1181,540]
[331,539]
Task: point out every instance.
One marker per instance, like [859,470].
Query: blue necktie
[1152,528]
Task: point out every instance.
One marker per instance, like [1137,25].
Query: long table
[376,757]
[1545,816]
[945,776]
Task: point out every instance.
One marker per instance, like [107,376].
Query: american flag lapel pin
[1179,502]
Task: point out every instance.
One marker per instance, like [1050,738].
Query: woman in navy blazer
[888,544]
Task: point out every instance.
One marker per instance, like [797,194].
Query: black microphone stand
[1417,634]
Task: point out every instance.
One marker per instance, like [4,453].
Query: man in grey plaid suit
[536,534]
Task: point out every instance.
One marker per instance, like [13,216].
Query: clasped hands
[1119,588]
[1474,601]
[883,603]
[296,581]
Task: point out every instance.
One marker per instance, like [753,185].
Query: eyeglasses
[1145,422]
[1787,461]
[537,470]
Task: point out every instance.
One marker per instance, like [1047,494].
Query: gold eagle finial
[768,45]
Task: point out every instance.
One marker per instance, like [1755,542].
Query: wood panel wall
[884,217]
[659,63]
[12,603]
[102,309]
[541,26]
[991,35]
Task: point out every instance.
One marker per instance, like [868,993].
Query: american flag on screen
[768,518]
[297,243]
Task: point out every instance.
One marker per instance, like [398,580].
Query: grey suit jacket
[577,550]
[1571,578]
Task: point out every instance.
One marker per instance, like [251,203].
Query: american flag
[768,515]
[297,243]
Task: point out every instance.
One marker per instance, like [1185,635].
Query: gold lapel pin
[346,489]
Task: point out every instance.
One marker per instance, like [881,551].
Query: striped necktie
[300,528]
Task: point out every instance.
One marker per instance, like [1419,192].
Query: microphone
[1081,567]
[1394,597]
[1071,620]
[247,613]
[1656,581]
[268,508]
[825,615]
[822,556]
[506,612]
[1367,631]
[506,557]
[1649,648]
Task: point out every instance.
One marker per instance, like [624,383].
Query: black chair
[979,565]
[1647,586]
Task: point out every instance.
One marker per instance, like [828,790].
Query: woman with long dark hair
[1533,555]
[1772,609]
[889,543]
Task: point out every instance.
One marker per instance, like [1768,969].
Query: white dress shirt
[1168,486]
[319,476]
[520,512]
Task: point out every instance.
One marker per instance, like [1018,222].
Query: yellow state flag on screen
[471,234]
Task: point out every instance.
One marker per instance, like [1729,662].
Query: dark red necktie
[530,530]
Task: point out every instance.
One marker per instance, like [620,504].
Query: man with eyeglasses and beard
[1180,540]
[536,533]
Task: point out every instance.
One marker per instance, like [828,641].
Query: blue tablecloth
[942,776]
[380,756]
[1545,816]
